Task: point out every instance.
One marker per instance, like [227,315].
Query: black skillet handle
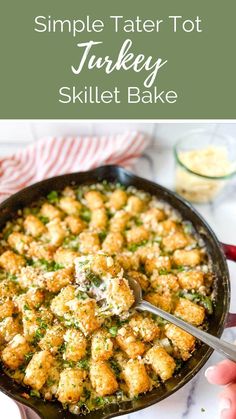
[230,253]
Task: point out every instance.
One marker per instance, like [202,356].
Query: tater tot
[32,298]
[144,327]
[52,339]
[95,199]
[167,227]
[162,301]
[75,224]
[102,378]
[59,304]
[70,386]
[117,199]
[41,251]
[162,363]
[76,344]
[158,263]
[137,235]
[98,219]
[65,257]
[136,378]
[113,243]
[129,343]
[119,295]
[89,242]
[141,278]
[50,211]
[19,241]
[174,241]
[30,277]
[189,311]
[101,345]
[119,221]
[84,312]
[128,260]
[187,257]
[134,205]
[7,289]
[164,283]
[148,251]
[69,205]
[13,355]
[183,340]
[11,262]
[38,369]
[191,279]
[57,280]
[56,232]
[33,226]
[151,218]
[103,265]
[9,327]
[30,324]
[6,309]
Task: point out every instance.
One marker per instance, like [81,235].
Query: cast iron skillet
[217,322]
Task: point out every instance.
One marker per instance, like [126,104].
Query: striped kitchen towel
[55,156]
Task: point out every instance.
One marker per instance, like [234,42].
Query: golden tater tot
[113,243]
[102,378]
[95,199]
[136,378]
[117,199]
[70,206]
[187,257]
[162,363]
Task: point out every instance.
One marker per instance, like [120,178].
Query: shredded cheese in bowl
[201,173]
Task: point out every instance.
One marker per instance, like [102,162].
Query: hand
[224,374]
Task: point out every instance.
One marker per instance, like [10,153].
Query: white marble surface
[157,164]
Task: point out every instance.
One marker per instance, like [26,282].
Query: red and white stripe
[55,156]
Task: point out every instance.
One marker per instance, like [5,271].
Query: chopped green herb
[29,356]
[53,197]
[26,306]
[133,247]
[188,228]
[95,279]
[102,235]
[29,262]
[118,185]
[138,222]
[7,233]
[44,220]
[83,363]
[50,382]
[85,214]
[50,266]
[81,295]
[163,271]
[113,330]
[12,277]
[35,393]
[87,393]
[98,400]
[115,366]
[80,194]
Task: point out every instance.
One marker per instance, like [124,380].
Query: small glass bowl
[199,185]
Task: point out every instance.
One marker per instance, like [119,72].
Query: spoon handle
[225,348]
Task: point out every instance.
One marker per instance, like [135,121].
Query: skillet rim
[105,171]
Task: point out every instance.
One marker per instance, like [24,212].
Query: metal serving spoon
[225,348]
